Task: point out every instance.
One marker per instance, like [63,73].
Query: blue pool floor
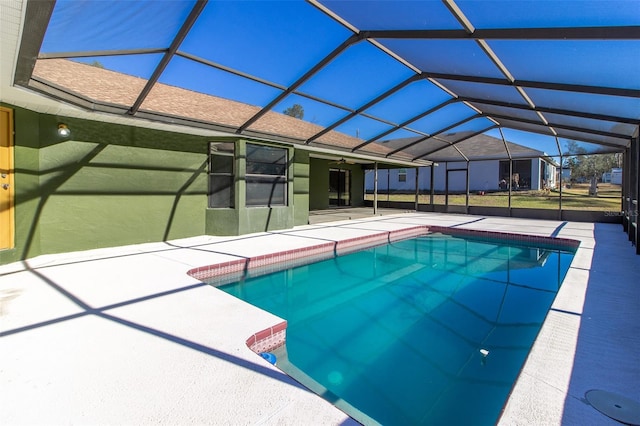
[85,334]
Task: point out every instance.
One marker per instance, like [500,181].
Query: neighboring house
[613,176]
[531,169]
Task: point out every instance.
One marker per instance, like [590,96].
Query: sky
[278,41]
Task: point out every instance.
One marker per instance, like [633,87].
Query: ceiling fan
[342,161]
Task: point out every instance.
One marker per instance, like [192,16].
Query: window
[266,176]
[521,177]
[402,175]
[221,160]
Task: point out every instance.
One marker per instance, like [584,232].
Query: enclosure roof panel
[353,75]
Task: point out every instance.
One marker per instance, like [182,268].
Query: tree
[296,110]
[97,64]
[589,166]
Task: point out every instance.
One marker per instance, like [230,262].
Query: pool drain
[616,406]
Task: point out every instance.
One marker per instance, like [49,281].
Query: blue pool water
[432,330]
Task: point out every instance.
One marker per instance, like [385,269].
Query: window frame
[229,175]
[276,180]
[402,175]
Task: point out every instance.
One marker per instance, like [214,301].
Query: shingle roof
[480,147]
[100,85]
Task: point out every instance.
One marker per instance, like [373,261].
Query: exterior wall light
[63,130]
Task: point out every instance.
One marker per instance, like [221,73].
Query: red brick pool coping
[273,337]
[268,339]
[556,242]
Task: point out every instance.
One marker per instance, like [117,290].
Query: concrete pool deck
[124,336]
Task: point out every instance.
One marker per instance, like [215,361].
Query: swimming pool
[431,330]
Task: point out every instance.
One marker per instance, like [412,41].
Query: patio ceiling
[398,79]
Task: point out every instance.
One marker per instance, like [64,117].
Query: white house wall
[616,176]
[553,174]
[457,179]
[389,178]
[550,175]
[535,173]
[483,176]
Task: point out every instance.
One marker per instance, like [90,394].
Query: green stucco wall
[106,185]
[109,185]
[357,185]
[26,186]
[301,174]
[222,222]
[318,184]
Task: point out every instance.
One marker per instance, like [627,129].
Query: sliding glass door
[339,187]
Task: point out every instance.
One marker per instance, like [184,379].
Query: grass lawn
[575,198]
